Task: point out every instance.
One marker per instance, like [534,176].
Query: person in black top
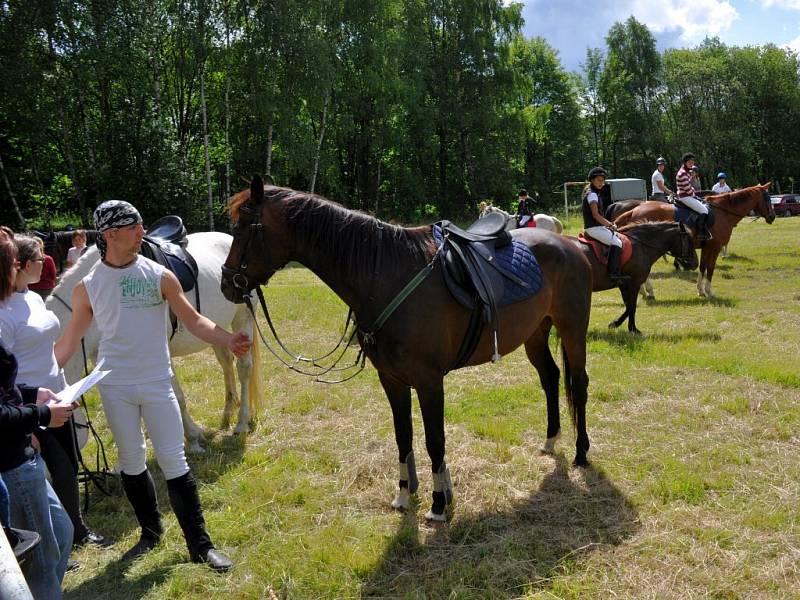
[596,226]
[33,503]
[525,206]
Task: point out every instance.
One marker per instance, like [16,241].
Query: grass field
[693,490]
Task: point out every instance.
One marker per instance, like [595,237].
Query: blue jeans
[35,506]
[5,507]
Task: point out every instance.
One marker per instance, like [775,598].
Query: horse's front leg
[244,368]
[225,358]
[629,297]
[431,401]
[399,396]
[646,289]
[712,263]
[191,430]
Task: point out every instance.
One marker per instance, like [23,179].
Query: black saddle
[468,258]
[23,543]
[165,243]
[168,229]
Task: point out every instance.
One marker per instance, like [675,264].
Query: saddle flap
[173,257]
[601,250]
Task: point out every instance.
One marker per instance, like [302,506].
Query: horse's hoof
[194,448]
[434,517]
[402,501]
[241,428]
[581,462]
[636,332]
[650,298]
[613,325]
[549,446]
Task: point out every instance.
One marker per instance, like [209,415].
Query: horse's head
[684,251]
[765,208]
[259,248]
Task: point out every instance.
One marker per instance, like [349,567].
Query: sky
[572,26]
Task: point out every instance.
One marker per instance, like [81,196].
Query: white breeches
[604,235]
[695,204]
[155,402]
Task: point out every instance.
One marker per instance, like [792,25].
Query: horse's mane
[70,277]
[734,198]
[353,239]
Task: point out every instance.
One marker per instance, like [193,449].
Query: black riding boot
[703,232]
[614,273]
[141,493]
[186,504]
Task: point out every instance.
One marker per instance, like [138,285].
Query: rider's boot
[703,232]
[141,493]
[614,272]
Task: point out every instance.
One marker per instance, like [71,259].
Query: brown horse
[367,262]
[650,241]
[728,210]
[620,208]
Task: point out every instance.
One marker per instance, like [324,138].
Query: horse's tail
[568,385]
[255,396]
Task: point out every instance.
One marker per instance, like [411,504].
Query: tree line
[411,110]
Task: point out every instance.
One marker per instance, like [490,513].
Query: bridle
[255,237]
[686,244]
[254,231]
[764,196]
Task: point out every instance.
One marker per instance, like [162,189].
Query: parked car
[786,205]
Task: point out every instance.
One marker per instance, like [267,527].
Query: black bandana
[113,214]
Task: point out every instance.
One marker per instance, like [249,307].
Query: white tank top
[131,315]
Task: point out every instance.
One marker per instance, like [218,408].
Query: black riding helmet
[596,171]
[688,156]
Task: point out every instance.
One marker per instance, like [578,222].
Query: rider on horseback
[524,212]
[596,226]
[686,196]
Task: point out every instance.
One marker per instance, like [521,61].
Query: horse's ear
[257,190]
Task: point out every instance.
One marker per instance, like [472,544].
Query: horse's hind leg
[576,381]
[646,290]
[399,396]
[191,430]
[225,358]
[541,358]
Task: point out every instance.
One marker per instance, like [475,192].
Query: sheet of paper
[74,391]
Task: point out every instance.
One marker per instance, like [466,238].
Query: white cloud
[794,45]
[788,4]
[695,18]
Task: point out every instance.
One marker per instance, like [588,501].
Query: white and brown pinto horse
[728,209]
[209,250]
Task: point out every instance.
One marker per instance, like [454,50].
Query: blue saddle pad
[515,258]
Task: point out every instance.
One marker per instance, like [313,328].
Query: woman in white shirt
[29,330]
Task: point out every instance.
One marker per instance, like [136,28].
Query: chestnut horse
[728,210]
[367,263]
[650,241]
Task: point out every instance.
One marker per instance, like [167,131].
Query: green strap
[398,300]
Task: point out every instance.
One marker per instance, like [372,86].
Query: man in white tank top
[127,295]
